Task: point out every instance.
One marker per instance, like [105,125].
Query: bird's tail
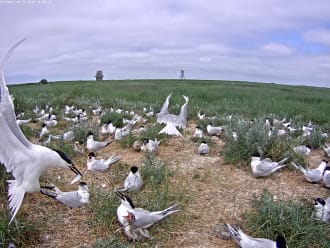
[171,210]
[51,191]
[16,196]
[113,159]
[299,167]
[283,161]
[234,233]
[170,129]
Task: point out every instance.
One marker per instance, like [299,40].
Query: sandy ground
[218,193]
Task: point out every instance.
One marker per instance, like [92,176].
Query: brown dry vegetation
[217,193]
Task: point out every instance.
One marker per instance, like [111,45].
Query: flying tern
[25,160]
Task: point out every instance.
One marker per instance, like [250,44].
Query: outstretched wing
[6,103]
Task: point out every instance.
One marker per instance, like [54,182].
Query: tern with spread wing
[25,160]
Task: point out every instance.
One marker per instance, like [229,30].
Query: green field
[234,104]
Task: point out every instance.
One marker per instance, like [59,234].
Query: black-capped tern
[312,175]
[264,167]
[304,150]
[322,209]
[326,177]
[93,145]
[246,241]
[203,148]
[94,164]
[133,181]
[76,198]
[25,160]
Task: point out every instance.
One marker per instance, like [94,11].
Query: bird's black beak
[120,195]
[75,170]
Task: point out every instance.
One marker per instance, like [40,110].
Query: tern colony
[135,221]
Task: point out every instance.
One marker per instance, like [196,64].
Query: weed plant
[291,218]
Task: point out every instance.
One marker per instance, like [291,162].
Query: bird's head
[134,169]
[125,200]
[65,162]
[319,203]
[91,155]
[281,242]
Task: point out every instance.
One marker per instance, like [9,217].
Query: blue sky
[273,41]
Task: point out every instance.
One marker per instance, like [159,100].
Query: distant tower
[182,74]
[99,76]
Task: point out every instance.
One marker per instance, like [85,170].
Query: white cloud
[319,36]
[276,49]
[238,40]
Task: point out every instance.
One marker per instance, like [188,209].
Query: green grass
[291,218]
[155,195]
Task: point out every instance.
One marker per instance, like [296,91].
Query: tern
[246,241]
[94,164]
[78,148]
[326,177]
[198,132]
[23,122]
[212,130]
[177,120]
[322,209]
[140,218]
[43,130]
[150,146]
[25,160]
[312,175]
[133,181]
[76,198]
[264,167]
[303,150]
[203,148]
[326,148]
[108,128]
[93,145]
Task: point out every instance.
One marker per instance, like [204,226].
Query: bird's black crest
[91,154]
[63,156]
[134,169]
[145,141]
[308,146]
[321,201]
[43,125]
[89,133]
[280,242]
[109,121]
[82,184]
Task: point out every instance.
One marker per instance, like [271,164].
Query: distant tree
[43,81]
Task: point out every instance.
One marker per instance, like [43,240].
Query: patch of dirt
[219,193]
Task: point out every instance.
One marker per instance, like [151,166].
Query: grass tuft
[291,218]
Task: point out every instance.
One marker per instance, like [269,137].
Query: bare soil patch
[218,193]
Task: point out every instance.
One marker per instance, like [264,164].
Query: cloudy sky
[275,41]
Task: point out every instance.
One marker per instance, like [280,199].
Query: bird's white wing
[6,103]
[15,149]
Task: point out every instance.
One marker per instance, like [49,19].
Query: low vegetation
[288,217]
